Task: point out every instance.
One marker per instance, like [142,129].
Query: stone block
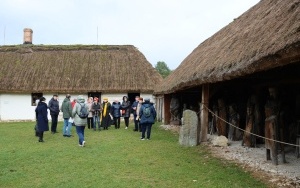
[189,131]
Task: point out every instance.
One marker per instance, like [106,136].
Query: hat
[105,98]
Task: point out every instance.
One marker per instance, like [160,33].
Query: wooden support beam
[204,113]
[167,114]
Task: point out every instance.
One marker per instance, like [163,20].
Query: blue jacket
[151,118]
[115,109]
[134,104]
[53,107]
[42,116]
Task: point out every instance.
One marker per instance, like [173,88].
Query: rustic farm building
[238,66]
[30,71]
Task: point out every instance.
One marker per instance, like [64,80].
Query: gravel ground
[254,160]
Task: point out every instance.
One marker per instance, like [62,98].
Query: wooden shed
[258,50]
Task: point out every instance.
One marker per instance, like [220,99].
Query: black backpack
[83,112]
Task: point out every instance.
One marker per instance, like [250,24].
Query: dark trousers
[136,123]
[140,126]
[41,135]
[117,122]
[54,123]
[146,128]
[105,122]
[126,119]
[90,122]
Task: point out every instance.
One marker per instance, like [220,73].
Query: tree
[163,69]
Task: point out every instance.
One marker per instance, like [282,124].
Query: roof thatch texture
[264,37]
[75,68]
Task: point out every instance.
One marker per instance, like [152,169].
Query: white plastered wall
[17,107]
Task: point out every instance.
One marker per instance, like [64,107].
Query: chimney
[27,36]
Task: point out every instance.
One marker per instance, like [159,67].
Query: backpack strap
[80,108]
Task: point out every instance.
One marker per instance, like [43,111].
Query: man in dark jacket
[134,108]
[115,112]
[54,111]
[66,109]
[147,115]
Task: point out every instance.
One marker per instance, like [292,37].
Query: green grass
[113,158]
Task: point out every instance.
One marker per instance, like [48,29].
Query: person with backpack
[126,110]
[96,107]
[80,113]
[115,111]
[66,109]
[147,116]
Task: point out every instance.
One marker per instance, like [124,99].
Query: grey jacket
[76,110]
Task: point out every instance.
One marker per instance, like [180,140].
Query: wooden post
[167,101]
[204,113]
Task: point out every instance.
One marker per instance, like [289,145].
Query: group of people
[102,115]
[98,115]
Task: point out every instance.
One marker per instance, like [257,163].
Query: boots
[41,134]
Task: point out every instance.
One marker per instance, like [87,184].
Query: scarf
[104,109]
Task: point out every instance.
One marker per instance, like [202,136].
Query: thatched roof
[75,68]
[264,37]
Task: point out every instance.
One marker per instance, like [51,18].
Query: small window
[35,97]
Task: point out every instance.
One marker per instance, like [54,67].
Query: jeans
[146,127]
[54,123]
[80,133]
[67,127]
[96,119]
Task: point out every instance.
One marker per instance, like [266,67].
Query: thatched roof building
[75,69]
[265,37]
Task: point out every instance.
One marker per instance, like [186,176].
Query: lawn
[112,158]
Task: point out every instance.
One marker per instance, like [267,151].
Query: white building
[30,71]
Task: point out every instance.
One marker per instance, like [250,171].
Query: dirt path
[254,160]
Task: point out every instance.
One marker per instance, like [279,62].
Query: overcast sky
[163,30]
